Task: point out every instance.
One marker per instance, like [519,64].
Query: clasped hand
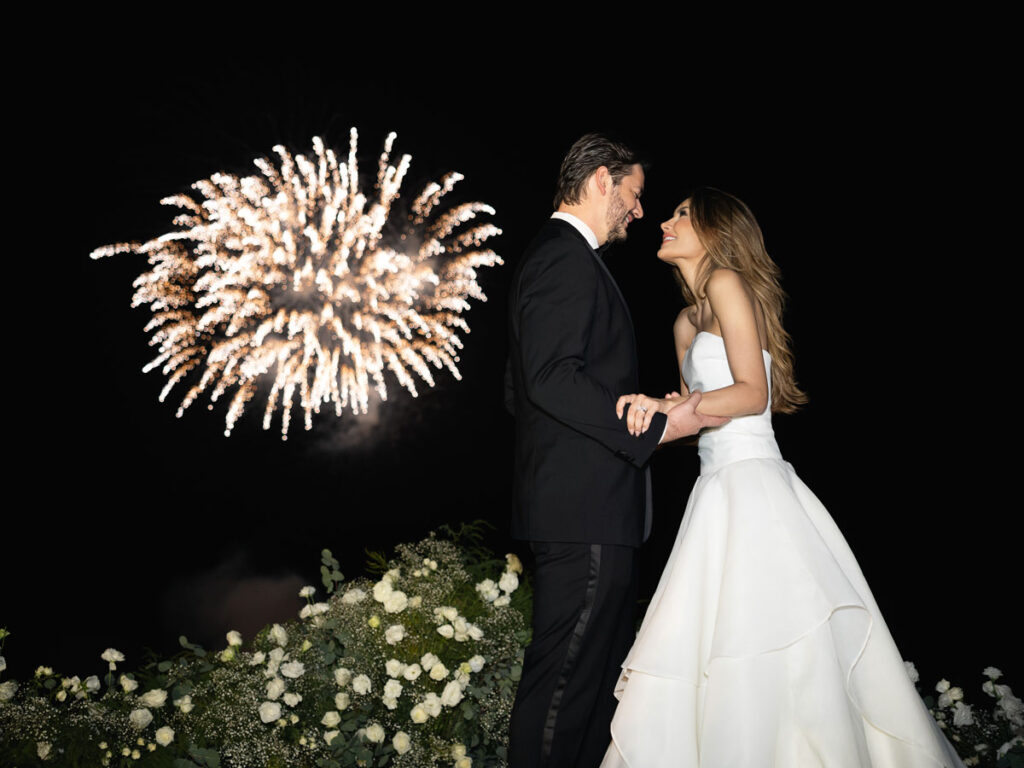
[641,410]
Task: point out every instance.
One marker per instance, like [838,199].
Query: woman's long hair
[733,239]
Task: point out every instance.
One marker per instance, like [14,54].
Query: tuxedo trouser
[583,626]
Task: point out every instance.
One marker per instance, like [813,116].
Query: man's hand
[683,419]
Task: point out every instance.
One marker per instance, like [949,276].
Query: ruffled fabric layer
[763,645]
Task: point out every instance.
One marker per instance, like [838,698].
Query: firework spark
[295,279]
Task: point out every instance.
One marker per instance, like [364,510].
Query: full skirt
[763,645]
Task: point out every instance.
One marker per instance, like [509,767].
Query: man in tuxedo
[582,491]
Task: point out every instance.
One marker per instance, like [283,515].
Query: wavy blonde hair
[733,240]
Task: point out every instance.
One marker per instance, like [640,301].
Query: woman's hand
[641,410]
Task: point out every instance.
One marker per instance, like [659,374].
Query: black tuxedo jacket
[579,474]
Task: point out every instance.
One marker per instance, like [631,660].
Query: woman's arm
[734,307]
[684,331]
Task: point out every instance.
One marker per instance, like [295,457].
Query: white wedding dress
[763,646]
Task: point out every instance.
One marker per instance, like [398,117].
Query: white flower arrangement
[345,683]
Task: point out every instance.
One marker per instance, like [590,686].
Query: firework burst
[293,279]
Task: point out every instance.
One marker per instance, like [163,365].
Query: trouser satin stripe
[573,652]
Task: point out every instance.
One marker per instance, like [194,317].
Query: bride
[762,645]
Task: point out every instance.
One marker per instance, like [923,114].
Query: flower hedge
[415,668]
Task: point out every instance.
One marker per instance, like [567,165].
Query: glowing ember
[289,278]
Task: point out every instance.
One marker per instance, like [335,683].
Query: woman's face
[678,238]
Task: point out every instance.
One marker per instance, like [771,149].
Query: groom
[582,492]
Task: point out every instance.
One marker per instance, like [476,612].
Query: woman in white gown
[762,645]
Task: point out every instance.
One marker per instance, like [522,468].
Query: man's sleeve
[555,312]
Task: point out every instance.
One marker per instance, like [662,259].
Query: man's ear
[603,180]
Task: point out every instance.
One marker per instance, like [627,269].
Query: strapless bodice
[706,368]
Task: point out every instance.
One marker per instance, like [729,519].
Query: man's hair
[588,154]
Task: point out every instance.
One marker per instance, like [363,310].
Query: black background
[879,173]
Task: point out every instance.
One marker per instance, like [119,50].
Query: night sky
[882,198]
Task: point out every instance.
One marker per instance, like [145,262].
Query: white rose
[415,602]
[43,749]
[989,687]
[381,590]
[234,638]
[361,684]
[270,711]
[394,667]
[475,632]
[275,688]
[951,695]
[508,582]
[140,718]
[449,613]
[353,596]
[292,699]
[279,635]
[111,656]
[7,690]
[184,703]
[452,694]
[396,602]
[3,663]
[446,630]
[992,673]
[331,719]
[153,698]
[319,608]
[330,736]
[375,733]
[164,736]
[412,672]
[438,671]
[307,591]
[393,689]
[92,684]
[418,714]
[62,695]
[488,590]
[389,702]
[942,686]
[428,660]
[502,601]
[401,742]
[962,714]
[911,671]
[514,563]
[476,663]
[342,676]
[257,658]
[128,684]
[464,762]
[432,704]
[394,634]
[293,669]
[341,701]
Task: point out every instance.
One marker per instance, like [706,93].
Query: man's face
[624,205]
